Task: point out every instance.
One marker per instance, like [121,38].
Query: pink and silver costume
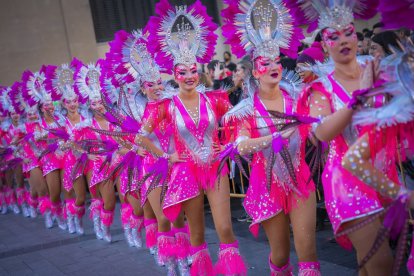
[276,185]
[346,197]
[185,35]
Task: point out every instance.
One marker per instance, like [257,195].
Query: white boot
[79,225]
[71,223]
[128,236]
[48,220]
[25,210]
[136,237]
[32,212]
[106,233]
[97,227]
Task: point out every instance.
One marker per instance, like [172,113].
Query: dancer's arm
[358,161]
[247,145]
[331,124]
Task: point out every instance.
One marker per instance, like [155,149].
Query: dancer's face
[267,71]
[239,75]
[97,106]
[32,116]
[376,50]
[305,73]
[71,105]
[186,76]
[341,44]
[48,107]
[153,89]
[14,116]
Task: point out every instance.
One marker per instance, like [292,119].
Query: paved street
[27,248]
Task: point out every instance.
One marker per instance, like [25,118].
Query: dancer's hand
[141,152]
[217,147]
[175,158]
[287,133]
[94,157]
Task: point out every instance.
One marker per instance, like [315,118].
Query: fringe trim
[202,264]
[151,228]
[166,246]
[126,212]
[107,217]
[95,207]
[182,239]
[230,262]
[44,204]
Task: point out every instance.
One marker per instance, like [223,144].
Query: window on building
[110,16]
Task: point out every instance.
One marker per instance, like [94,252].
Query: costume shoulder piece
[241,111]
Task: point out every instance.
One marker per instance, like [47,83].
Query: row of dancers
[114,122]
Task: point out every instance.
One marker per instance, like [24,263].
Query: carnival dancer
[12,166]
[61,80]
[101,188]
[130,57]
[51,157]
[280,189]
[30,152]
[180,37]
[386,139]
[4,123]
[348,200]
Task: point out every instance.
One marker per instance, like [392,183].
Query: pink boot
[136,224]
[230,262]
[309,269]
[151,228]
[166,250]
[107,218]
[202,264]
[126,212]
[285,270]
[57,213]
[95,216]
[33,203]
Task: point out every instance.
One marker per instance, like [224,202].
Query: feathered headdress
[34,90]
[181,35]
[130,59]
[87,81]
[396,14]
[5,99]
[61,80]
[261,28]
[337,14]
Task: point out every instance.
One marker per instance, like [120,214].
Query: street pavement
[27,248]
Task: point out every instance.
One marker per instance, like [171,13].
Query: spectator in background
[404,35]
[367,42]
[365,31]
[228,63]
[243,71]
[204,80]
[382,44]
[172,83]
[377,28]
[219,75]
[288,63]
[360,49]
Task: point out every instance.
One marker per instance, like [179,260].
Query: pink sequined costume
[194,142]
[346,197]
[263,32]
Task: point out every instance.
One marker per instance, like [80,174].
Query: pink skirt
[187,181]
[346,198]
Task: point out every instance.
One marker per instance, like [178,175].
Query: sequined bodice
[200,152]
